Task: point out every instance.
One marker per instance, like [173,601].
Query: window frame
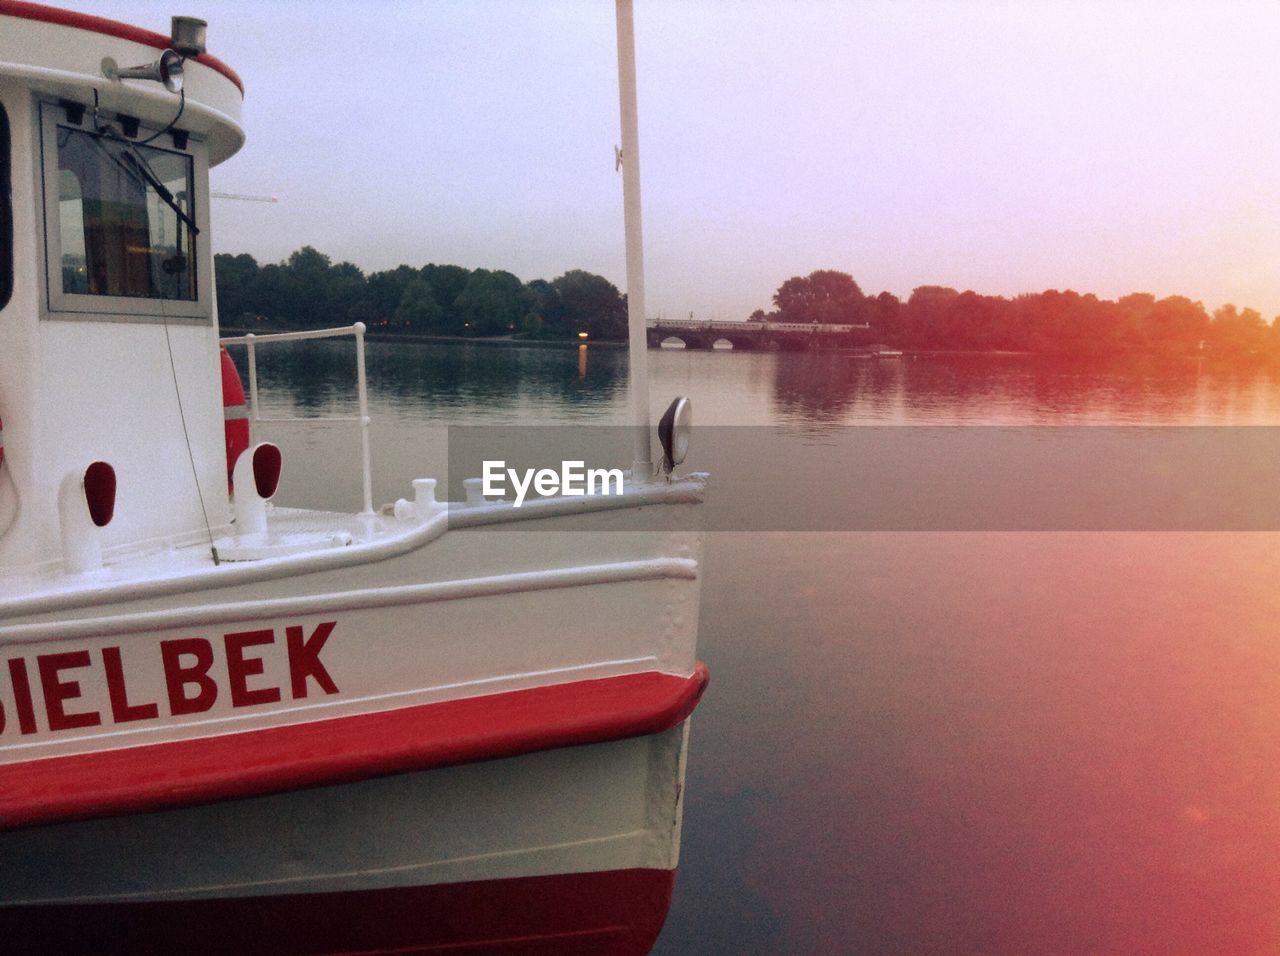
[77,305]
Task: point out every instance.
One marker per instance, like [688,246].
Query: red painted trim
[616,912]
[340,750]
[111,28]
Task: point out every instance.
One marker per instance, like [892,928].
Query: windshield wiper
[141,167]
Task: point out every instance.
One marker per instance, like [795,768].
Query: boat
[870,352]
[229,725]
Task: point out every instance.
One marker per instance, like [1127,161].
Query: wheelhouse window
[121,223]
[121,209]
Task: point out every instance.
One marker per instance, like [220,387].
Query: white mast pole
[642,467]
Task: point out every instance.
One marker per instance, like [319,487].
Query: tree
[592,304]
[491,303]
[447,283]
[884,315]
[1177,324]
[924,315]
[1135,319]
[418,310]
[545,318]
[307,273]
[234,277]
[824,296]
[1235,331]
[272,293]
[345,288]
[385,291]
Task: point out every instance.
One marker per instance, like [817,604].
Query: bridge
[786,336]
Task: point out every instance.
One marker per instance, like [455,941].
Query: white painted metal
[228,612]
[357,330]
[137,575]
[81,546]
[363,395]
[299,336]
[250,507]
[473,612]
[78,388]
[59,61]
[250,342]
[638,359]
[601,807]
[426,602]
[424,498]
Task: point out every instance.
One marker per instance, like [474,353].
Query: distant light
[582,335]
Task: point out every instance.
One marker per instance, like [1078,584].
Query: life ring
[235,414]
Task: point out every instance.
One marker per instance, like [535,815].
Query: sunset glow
[995,146]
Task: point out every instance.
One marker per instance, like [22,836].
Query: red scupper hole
[100,492]
[266,469]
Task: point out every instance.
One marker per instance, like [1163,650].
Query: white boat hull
[231,727]
[401,733]
[496,834]
[467,613]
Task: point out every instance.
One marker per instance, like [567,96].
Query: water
[922,742]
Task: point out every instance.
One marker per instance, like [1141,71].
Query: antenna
[243,197]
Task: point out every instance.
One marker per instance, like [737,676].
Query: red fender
[234,412]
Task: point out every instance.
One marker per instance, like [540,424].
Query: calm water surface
[926,742]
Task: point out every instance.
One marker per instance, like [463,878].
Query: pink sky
[1006,147]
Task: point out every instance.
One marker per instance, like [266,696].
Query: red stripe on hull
[111,28]
[344,749]
[617,913]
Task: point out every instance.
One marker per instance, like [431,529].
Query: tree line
[308,290]
[1058,322]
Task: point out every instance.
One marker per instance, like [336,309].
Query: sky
[1005,147]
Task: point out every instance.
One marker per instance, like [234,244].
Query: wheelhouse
[108,319]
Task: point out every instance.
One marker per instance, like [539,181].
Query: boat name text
[66,682]
[574,478]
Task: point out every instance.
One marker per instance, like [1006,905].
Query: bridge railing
[713,325]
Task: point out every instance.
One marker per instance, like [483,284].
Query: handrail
[251,340]
[713,324]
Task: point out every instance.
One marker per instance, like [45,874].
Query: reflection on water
[474,384]
[935,742]
[986,743]
[1019,389]
[523,384]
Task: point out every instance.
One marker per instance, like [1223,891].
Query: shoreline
[843,351]
[416,339]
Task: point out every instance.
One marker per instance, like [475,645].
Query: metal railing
[252,341]
[720,325]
